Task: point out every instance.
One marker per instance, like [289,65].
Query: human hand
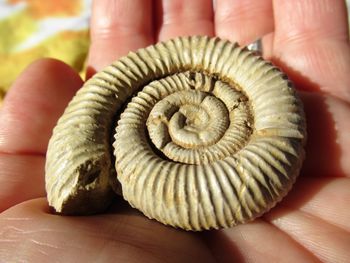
[307,39]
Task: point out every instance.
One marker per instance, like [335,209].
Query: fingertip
[48,69]
[33,104]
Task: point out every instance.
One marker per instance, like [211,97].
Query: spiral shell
[207,135]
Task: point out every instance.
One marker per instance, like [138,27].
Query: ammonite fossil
[197,132]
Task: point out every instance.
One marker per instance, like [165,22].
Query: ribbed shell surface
[207,135]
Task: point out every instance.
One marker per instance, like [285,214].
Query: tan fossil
[205,134]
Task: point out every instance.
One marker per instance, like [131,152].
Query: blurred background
[32,29]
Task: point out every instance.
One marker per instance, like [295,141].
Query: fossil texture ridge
[198,132]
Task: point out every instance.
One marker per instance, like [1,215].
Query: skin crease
[308,39]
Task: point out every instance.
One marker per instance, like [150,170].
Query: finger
[313,20]
[117,27]
[311,38]
[267,45]
[33,105]
[327,242]
[248,243]
[327,148]
[324,198]
[21,178]
[28,233]
[243,21]
[184,18]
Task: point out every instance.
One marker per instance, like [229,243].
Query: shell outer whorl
[207,135]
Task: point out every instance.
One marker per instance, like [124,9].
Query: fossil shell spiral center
[199,119]
[192,118]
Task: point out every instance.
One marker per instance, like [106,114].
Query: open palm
[307,38]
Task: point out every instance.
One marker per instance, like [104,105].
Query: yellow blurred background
[32,29]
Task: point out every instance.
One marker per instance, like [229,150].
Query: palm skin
[307,39]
